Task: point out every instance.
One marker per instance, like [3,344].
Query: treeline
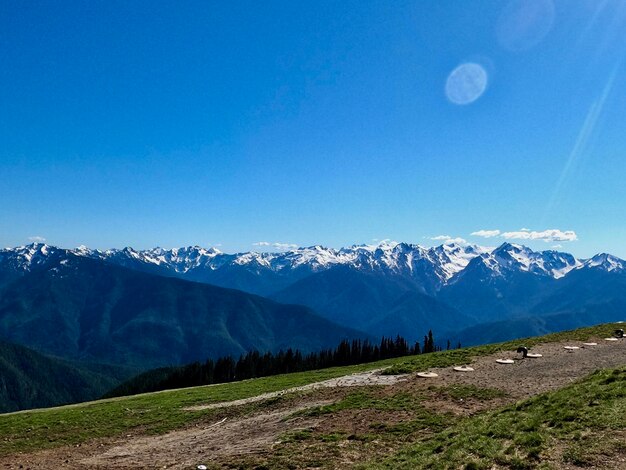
[255,364]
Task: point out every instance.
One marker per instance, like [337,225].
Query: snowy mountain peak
[510,258]
[384,245]
[512,255]
[34,252]
[436,266]
[24,258]
[453,258]
[82,250]
[605,262]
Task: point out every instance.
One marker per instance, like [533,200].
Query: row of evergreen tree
[254,364]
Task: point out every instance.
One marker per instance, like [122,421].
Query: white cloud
[284,246]
[277,245]
[551,235]
[556,247]
[486,233]
[457,240]
[448,240]
[37,239]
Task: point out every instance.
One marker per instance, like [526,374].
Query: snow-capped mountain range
[443,264]
[385,289]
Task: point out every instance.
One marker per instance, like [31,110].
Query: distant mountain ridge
[431,268]
[388,288]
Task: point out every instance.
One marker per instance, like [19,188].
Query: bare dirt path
[257,433]
[185,449]
[362,379]
[556,369]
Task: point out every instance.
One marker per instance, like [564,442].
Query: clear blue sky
[177,123]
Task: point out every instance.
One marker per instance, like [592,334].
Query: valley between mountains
[386,289]
[112,314]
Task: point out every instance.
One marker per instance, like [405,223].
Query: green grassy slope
[154,413]
[465,355]
[160,412]
[576,425]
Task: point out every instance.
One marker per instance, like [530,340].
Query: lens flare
[466,83]
[524,23]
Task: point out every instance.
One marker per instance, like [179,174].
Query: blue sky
[179,123]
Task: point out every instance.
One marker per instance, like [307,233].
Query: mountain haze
[388,288]
[363,286]
[84,309]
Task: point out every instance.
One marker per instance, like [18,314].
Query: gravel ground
[215,442]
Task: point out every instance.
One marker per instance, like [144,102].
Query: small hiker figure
[526,354]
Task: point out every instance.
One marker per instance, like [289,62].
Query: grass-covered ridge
[465,355]
[578,425]
[152,413]
[158,413]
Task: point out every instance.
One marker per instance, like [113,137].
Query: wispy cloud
[284,246]
[386,242]
[277,245]
[37,239]
[448,240]
[486,233]
[550,235]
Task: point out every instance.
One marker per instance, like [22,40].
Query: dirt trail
[255,433]
[371,377]
[556,369]
[185,449]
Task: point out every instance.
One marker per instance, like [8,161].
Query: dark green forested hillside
[379,305]
[31,380]
[87,310]
[254,364]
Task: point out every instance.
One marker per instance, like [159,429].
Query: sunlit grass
[522,436]
[160,412]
